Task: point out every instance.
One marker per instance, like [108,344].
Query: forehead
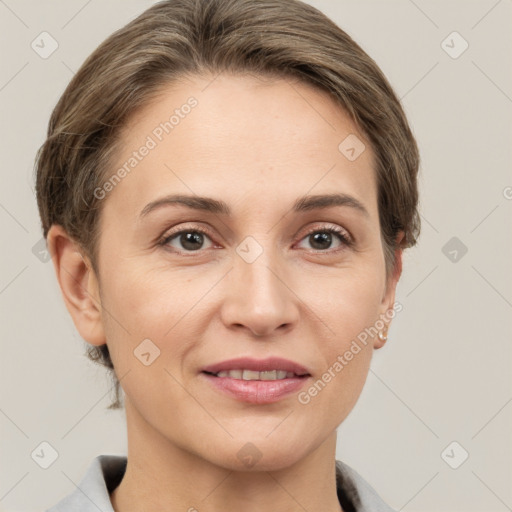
[241,137]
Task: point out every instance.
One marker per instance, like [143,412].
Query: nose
[259,296]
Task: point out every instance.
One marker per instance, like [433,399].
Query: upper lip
[257,365]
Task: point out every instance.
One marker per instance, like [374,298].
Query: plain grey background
[441,388]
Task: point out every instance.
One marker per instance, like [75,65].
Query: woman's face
[266,279]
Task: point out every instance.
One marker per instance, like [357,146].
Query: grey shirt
[106,472]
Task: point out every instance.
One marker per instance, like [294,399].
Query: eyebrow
[208,204]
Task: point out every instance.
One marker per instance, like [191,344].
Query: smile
[255,375]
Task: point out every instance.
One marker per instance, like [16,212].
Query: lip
[256,391]
[257,365]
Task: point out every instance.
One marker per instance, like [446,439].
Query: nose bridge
[253,265]
[258,297]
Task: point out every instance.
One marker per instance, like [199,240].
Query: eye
[191,240]
[322,238]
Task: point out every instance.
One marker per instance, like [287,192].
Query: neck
[160,475]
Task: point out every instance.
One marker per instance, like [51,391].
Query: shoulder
[360,494]
[93,491]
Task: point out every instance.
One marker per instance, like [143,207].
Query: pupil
[317,237]
[190,238]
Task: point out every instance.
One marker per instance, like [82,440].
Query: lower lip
[256,391]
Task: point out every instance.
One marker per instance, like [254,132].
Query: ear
[79,285]
[388,299]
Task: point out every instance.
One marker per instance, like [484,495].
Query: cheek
[349,309]
[348,303]
[143,300]
[135,308]
[156,304]
[145,318]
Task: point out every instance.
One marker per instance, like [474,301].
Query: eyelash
[342,235]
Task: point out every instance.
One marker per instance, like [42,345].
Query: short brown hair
[173,38]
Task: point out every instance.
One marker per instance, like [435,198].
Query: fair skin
[258,145]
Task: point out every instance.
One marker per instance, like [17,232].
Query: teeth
[234,374]
[253,375]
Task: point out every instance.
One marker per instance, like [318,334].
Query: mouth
[268,375]
[256,381]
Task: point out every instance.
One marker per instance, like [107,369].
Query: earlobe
[78,284]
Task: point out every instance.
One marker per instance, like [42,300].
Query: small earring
[382,336]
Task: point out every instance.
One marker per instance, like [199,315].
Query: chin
[253,456]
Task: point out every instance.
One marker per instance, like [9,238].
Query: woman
[226,190]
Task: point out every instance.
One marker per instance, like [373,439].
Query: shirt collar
[106,472]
